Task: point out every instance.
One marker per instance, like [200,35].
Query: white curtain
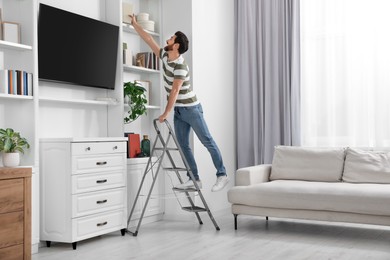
[345,73]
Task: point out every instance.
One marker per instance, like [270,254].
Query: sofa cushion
[366,166]
[363,198]
[308,164]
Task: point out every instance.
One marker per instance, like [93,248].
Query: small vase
[11,159]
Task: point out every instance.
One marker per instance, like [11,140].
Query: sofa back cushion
[366,166]
[308,164]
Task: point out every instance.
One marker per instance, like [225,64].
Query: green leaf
[137,100]
[11,141]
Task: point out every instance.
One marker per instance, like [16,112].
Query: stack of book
[147,60]
[16,82]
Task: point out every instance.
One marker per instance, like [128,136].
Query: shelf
[139,69]
[14,46]
[11,96]
[141,160]
[79,101]
[147,106]
[129,28]
[153,107]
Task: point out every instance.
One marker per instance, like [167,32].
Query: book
[25,92]
[134,145]
[18,83]
[147,60]
[10,83]
[30,84]
[4,81]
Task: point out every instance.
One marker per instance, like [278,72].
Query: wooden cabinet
[83,188]
[15,213]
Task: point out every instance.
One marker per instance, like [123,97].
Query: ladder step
[176,169]
[184,190]
[194,209]
[168,148]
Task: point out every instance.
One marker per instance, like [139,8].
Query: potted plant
[136,100]
[11,143]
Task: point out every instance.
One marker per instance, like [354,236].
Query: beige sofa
[340,184]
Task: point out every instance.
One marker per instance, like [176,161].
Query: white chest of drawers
[83,188]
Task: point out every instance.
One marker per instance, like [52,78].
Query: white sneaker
[188,185]
[221,183]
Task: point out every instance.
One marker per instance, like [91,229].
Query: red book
[134,145]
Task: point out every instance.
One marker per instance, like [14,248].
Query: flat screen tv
[76,49]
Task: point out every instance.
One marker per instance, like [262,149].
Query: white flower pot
[11,159]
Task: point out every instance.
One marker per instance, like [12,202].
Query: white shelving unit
[144,125]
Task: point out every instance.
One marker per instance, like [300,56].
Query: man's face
[170,42]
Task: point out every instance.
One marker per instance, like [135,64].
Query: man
[187,108]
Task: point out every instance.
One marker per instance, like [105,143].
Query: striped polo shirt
[178,69]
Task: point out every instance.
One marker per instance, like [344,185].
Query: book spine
[25,92]
[15,82]
[18,83]
[4,81]
[30,84]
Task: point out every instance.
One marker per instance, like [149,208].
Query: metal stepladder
[165,150]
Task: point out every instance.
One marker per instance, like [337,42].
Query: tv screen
[76,49]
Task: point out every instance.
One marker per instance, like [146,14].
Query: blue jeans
[186,118]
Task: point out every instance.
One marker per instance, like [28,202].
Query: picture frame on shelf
[10,32]
[146,84]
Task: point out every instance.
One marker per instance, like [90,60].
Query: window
[345,74]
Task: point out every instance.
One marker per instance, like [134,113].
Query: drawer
[98,148]
[96,202]
[94,182]
[12,252]
[11,229]
[98,224]
[98,163]
[11,195]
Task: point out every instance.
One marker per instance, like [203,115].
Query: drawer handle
[101,163]
[101,181]
[115,147]
[101,224]
[88,149]
[101,201]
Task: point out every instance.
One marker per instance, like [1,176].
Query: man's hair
[182,40]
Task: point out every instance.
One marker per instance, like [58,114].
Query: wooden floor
[255,238]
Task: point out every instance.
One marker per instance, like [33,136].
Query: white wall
[176,17]
[63,119]
[213,81]
[209,26]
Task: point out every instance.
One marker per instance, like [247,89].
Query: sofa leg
[266,218]
[235,221]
